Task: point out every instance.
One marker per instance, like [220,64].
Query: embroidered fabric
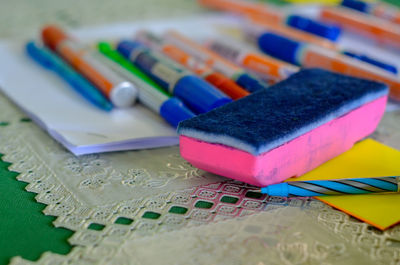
[119,201]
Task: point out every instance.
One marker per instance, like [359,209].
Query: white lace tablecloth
[152,201]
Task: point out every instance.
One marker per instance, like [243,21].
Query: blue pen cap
[174,111]
[357,5]
[280,47]
[380,64]
[325,30]
[125,47]
[250,83]
[199,95]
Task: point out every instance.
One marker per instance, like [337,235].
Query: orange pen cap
[226,85]
[52,36]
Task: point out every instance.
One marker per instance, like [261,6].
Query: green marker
[106,49]
[151,94]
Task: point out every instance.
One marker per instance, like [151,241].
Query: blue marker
[311,56]
[324,30]
[333,187]
[262,37]
[50,61]
[199,95]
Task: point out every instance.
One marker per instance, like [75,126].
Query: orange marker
[121,92]
[378,29]
[276,16]
[254,61]
[260,25]
[219,80]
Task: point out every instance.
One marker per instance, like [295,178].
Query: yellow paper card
[366,159]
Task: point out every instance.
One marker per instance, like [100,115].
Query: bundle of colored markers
[180,78]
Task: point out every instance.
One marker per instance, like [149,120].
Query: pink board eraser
[286,130]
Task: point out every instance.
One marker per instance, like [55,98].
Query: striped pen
[333,187]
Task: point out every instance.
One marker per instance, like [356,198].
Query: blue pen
[199,95]
[333,187]
[51,61]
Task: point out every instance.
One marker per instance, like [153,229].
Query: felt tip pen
[51,61]
[333,187]
[220,81]
[307,55]
[121,92]
[275,15]
[172,109]
[378,9]
[199,95]
[215,61]
[258,34]
[252,60]
[379,30]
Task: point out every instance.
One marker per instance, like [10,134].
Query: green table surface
[25,231]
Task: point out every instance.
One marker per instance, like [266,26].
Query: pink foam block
[294,158]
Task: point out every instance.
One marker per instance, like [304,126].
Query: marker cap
[280,47]
[250,83]
[124,95]
[328,31]
[174,111]
[357,5]
[52,36]
[125,47]
[199,95]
